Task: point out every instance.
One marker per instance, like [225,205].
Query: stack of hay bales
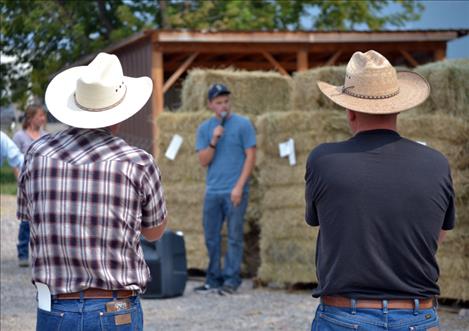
[184,182]
[253,92]
[287,244]
[449,87]
[449,135]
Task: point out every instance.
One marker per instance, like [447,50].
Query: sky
[446,15]
[437,14]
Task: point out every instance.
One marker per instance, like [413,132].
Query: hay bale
[285,196]
[288,261]
[307,96]
[253,92]
[287,244]
[451,129]
[449,87]
[308,129]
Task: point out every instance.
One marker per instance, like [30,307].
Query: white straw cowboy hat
[97,95]
[373,86]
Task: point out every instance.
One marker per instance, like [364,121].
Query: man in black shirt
[382,202]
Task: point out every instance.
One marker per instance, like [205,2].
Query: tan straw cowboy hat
[373,86]
[97,95]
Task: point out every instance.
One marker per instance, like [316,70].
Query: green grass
[7,180]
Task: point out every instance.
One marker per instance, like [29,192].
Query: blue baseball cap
[216,90]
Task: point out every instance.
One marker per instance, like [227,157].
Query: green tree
[49,35]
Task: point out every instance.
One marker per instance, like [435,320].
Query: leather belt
[96,293]
[343,302]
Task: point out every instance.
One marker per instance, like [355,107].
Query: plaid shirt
[87,195]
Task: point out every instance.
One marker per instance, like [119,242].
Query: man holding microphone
[226,145]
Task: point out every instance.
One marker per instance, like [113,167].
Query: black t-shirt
[380,201]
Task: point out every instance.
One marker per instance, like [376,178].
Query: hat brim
[413,90]
[60,101]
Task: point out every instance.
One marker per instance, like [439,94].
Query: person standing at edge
[382,204]
[89,196]
[33,124]
[226,144]
[10,152]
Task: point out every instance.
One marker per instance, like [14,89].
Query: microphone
[223,118]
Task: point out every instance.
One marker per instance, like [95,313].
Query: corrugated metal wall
[136,62]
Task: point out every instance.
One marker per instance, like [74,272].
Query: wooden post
[302,60]
[439,54]
[157,75]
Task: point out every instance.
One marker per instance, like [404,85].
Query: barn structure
[166,56]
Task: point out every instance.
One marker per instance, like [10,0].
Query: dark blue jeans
[88,314]
[23,241]
[217,208]
[330,318]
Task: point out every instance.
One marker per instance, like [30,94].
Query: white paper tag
[292,155]
[287,148]
[422,142]
[43,296]
[173,147]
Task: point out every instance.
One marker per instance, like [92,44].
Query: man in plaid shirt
[89,196]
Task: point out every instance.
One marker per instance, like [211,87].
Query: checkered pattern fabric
[87,195]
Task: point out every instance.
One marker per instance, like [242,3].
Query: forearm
[442,236]
[206,156]
[248,167]
[154,233]
[16,172]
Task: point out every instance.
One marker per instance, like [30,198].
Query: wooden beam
[174,77]
[409,58]
[248,65]
[305,36]
[316,48]
[302,60]
[333,58]
[276,65]
[439,54]
[157,76]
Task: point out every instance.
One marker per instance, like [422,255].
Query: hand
[236,195]
[217,133]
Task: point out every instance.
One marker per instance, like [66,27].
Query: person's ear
[351,115]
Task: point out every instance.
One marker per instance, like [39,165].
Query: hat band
[346,90]
[100,109]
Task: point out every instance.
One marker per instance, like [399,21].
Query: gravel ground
[251,309]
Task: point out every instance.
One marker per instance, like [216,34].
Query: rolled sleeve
[154,210]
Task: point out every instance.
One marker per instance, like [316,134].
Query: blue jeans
[330,318]
[88,314]
[23,241]
[217,207]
